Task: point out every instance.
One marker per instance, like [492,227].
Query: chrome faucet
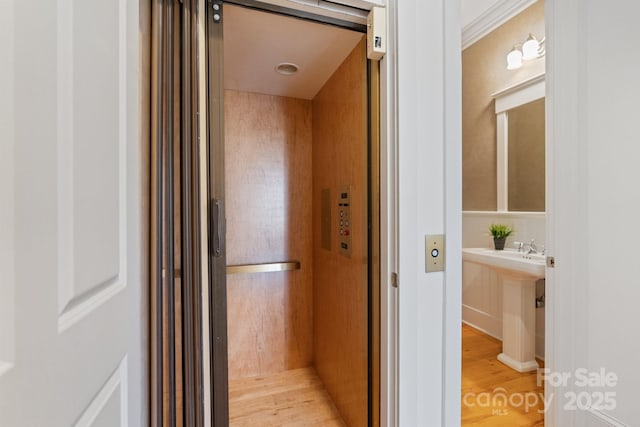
[529,248]
[532,248]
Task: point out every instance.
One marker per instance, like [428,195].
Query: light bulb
[530,47]
[514,59]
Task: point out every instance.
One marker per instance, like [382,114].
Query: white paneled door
[71,282]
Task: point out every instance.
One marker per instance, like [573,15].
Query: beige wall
[484,72]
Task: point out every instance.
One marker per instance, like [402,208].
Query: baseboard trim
[482,321]
[484,331]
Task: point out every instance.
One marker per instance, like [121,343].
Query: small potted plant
[500,232]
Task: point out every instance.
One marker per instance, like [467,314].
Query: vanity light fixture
[531,48]
[514,59]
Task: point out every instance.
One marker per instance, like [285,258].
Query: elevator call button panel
[434,253]
[344,221]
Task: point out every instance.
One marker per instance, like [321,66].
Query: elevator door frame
[219,399]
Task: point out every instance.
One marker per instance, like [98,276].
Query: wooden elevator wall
[268,197]
[340,283]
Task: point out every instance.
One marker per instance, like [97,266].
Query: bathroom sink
[508,261]
[518,272]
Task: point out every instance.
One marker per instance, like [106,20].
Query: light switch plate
[434,253]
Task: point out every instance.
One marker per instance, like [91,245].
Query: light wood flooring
[298,398]
[292,398]
[483,375]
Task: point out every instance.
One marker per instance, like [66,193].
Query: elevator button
[434,253]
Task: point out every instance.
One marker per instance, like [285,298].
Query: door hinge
[394,280]
[551,262]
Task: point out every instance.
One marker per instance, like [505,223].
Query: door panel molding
[87,193]
[86,303]
[115,386]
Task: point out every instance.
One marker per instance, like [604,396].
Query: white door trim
[452,338]
[389,226]
[428,146]
[565,302]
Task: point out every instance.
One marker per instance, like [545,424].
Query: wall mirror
[520,114]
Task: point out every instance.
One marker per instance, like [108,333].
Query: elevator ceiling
[256,42]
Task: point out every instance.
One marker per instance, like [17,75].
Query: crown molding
[491,19]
